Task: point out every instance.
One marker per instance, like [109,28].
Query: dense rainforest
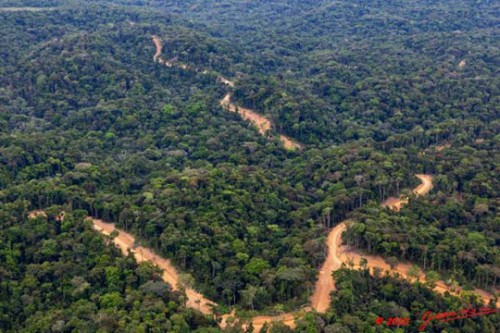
[374,92]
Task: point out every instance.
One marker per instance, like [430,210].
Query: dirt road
[338,254]
[157,55]
[263,124]
[422,189]
[320,300]
[346,254]
[126,241]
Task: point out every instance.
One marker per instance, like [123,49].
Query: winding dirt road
[126,241]
[320,300]
[338,254]
[422,189]
[157,55]
[263,124]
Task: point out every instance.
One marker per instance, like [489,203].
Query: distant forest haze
[367,93]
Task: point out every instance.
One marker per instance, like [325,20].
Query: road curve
[424,188]
[157,55]
[320,300]
[126,241]
[263,124]
[338,254]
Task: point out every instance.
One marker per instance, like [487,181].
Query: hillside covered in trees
[375,92]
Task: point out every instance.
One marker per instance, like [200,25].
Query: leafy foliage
[88,121]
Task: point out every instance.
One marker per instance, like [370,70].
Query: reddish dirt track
[346,254]
[157,55]
[263,124]
[422,189]
[126,241]
[338,254]
[320,300]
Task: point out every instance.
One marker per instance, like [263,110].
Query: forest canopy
[375,92]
